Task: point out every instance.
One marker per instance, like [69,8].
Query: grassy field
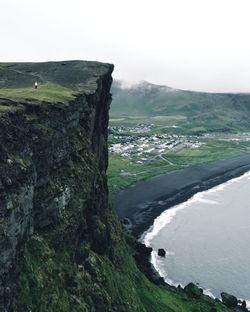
[49,92]
[123,172]
[164,121]
[136,172]
[50,281]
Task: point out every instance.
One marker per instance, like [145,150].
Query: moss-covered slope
[61,246]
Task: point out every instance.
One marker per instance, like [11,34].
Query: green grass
[50,281]
[158,121]
[213,150]
[6,65]
[49,92]
[139,172]
[157,299]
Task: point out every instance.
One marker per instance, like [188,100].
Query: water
[207,240]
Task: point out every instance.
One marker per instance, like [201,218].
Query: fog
[195,44]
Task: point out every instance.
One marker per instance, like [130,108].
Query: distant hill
[211,111]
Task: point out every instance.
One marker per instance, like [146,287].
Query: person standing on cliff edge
[36,85]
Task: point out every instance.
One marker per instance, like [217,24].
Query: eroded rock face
[53,159]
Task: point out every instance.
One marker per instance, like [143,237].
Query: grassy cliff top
[57,81]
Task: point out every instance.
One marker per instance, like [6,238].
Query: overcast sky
[188,44]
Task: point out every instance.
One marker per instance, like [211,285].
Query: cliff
[53,160]
[61,246]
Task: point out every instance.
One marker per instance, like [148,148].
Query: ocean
[207,240]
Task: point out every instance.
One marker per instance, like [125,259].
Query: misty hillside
[211,111]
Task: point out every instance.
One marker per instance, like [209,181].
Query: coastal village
[141,144]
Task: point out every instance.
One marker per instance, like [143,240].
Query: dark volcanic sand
[146,200]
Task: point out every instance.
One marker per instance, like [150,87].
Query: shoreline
[139,217]
[140,204]
[153,231]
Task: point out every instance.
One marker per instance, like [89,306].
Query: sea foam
[167,216]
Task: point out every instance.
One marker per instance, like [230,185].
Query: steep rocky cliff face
[61,246]
[53,159]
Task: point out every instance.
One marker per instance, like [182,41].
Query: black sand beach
[140,204]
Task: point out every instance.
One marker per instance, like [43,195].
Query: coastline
[166,218]
[139,205]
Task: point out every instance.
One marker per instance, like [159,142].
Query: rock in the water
[161,252]
[229,300]
[244,304]
[193,290]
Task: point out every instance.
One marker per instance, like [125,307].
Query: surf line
[167,216]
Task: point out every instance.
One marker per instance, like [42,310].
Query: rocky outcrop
[193,291]
[229,300]
[161,252]
[53,158]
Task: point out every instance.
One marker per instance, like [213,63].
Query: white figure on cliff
[36,85]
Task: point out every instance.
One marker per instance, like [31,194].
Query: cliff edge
[53,158]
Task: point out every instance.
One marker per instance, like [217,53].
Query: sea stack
[161,252]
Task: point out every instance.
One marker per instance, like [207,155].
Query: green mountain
[199,110]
